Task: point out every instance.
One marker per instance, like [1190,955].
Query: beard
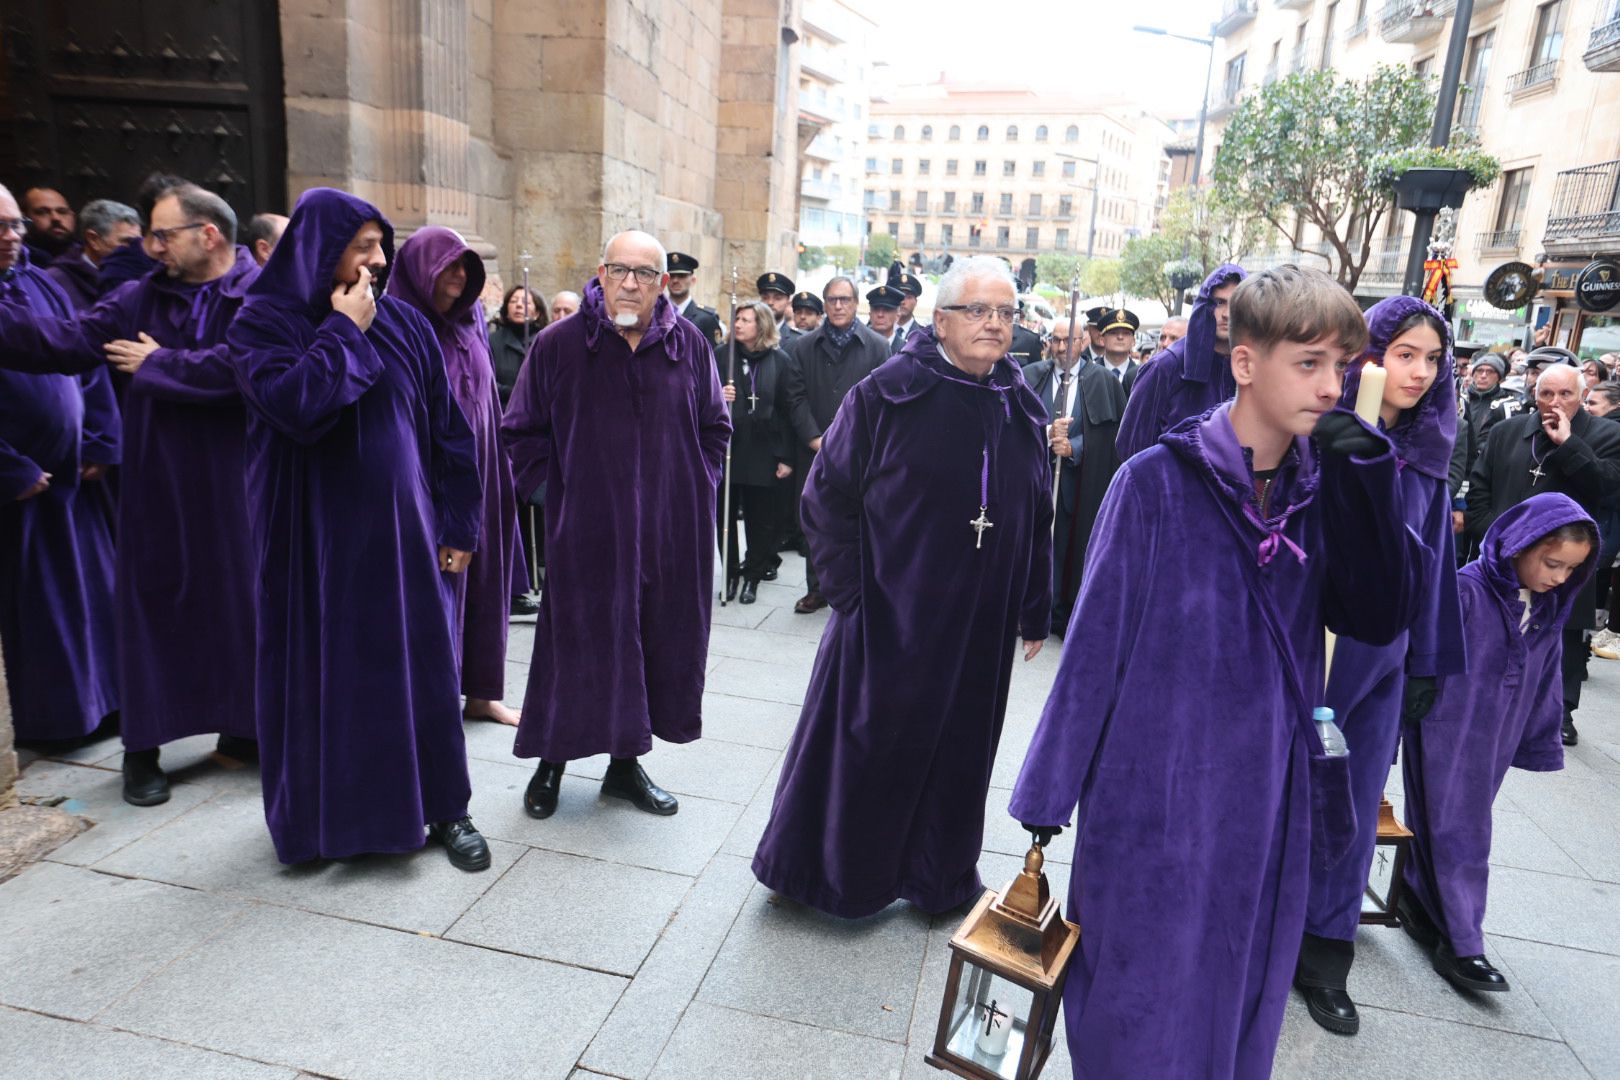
[626,320]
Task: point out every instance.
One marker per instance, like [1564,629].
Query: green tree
[1142,268]
[812,257]
[1305,151]
[1057,268]
[1208,230]
[844,256]
[1100,277]
[880,249]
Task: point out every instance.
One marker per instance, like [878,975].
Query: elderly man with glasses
[823,366]
[929,510]
[619,413]
[185,581]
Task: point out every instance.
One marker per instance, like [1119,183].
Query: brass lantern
[1389,860]
[1008,961]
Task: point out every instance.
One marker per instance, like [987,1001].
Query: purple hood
[1198,354]
[1518,528]
[422,258]
[299,274]
[1424,434]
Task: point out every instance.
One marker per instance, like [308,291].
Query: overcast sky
[1085,46]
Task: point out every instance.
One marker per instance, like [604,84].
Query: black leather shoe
[626,779]
[769,575]
[809,603]
[462,842]
[731,589]
[144,781]
[523,604]
[1331,1008]
[1417,923]
[749,592]
[1571,736]
[237,748]
[1468,972]
[540,797]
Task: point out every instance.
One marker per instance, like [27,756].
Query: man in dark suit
[910,290]
[681,269]
[1026,343]
[1118,340]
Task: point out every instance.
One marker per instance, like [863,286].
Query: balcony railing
[1603,48]
[820,189]
[1586,205]
[1387,262]
[1234,14]
[1357,29]
[1503,240]
[1468,114]
[1410,21]
[1304,57]
[1226,102]
[1543,74]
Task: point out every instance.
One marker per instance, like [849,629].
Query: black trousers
[1324,962]
[763,511]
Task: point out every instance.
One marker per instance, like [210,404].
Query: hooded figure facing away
[363,496]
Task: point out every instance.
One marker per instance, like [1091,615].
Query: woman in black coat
[761,448]
[508,341]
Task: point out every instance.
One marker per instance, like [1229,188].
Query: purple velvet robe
[630,447]
[1508,711]
[1367,684]
[882,791]
[1187,379]
[56,548]
[1203,792]
[78,277]
[360,466]
[184,573]
[483,594]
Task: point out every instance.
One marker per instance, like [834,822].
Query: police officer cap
[774,282]
[681,263]
[884,297]
[808,301]
[1118,319]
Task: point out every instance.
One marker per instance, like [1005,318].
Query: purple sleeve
[102,440]
[526,426]
[830,510]
[714,420]
[1376,566]
[458,494]
[1436,646]
[1142,423]
[18,472]
[199,376]
[1083,699]
[39,343]
[1541,747]
[1035,613]
[300,391]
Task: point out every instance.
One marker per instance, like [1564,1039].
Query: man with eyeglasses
[620,414]
[58,435]
[929,511]
[823,366]
[185,581]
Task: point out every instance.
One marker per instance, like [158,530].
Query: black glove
[1418,700]
[1341,434]
[1043,834]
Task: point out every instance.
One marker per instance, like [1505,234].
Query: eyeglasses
[977,313]
[646,275]
[837,301]
[166,236]
[16,225]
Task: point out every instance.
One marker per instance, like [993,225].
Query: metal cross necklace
[983,522]
[1536,472]
[753,398]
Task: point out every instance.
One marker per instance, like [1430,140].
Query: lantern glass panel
[1380,881]
[989,1021]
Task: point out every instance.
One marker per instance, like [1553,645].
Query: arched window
[927,132]
[984,132]
[1040,133]
[1072,134]
[956,133]
[899,132]
[1012,132]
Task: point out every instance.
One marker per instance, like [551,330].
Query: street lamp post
[1096,190]
[1203,107]
[1445,106]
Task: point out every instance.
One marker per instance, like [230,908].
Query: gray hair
[971,269]
[203,205]
[847,280]
[100,215]
[643,237]
[6,192]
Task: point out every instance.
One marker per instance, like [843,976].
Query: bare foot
[479,709]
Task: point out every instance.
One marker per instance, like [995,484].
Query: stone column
[757,159]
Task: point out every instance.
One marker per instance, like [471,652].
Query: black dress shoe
[809,603]
[1331,1008]
[462,842]
[1417,923]
[1571,736]
[769,575]
[523,604]
[731,589]
[626,779]
[749,592]
[237,748]
[540,797]
[144,781]
[1468,972]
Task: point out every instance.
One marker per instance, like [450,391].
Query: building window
[979,168]
[1003,236]
[923,166]
[922,202]
[1005,206]
[1233,85]
[894,201]
[919,234]
[1012,132]
[950,201]
[1038,168]
[955,134]
[1062,241]
[1040,133]
[1072,134]
[873,131]
[1330,26]
[815,173]
[978,202]
[1035,205]
[928,133]
[1068,170]
[895,165]
[984,133]
[1065,206]
[1032,238]
[871,164]
[1549,39]
[1009,168]
[894,230]
[947,233]
[975,234]
[1475,70]
[950,166]
[1515,193]
[899,133]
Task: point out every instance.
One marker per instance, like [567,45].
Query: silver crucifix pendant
[1536,474]
[979,524]
[753,401]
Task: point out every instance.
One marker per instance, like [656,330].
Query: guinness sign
[1597,286]
[1510,285]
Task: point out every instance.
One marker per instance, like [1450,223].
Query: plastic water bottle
[1333,743]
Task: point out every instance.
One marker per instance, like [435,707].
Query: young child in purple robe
[1507,711]
[1204,791]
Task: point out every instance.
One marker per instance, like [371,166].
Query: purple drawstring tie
[1275,537]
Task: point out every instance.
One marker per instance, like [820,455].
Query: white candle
[995,1026]
[1370,398]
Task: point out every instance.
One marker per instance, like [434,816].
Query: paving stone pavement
[168,942]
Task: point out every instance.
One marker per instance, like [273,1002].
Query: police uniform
[1120,319]
[887,297]
[805,301]
[705,319]
[909,285]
